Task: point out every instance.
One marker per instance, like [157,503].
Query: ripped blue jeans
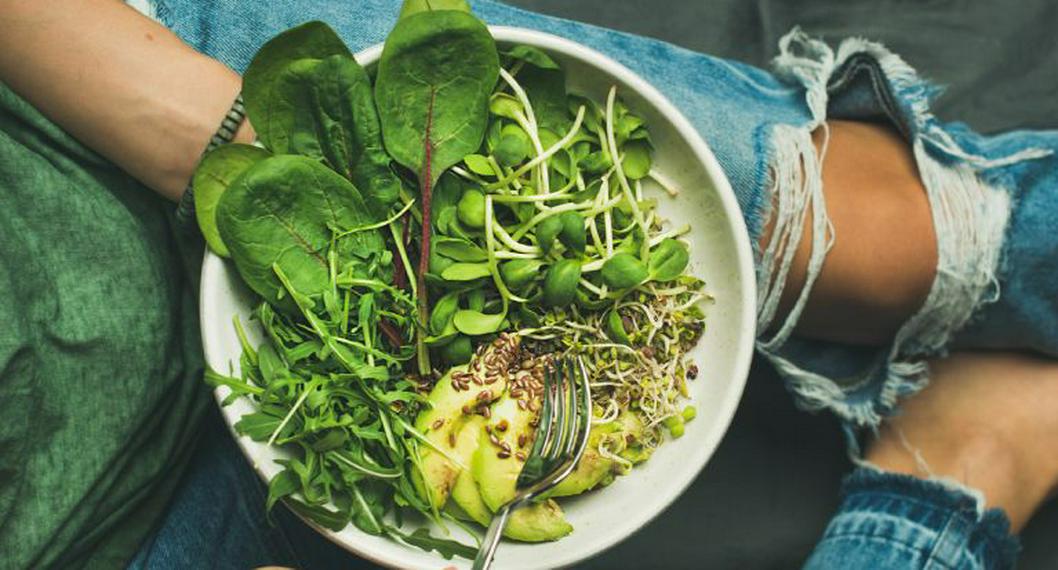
[992,199]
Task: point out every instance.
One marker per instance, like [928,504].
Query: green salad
[423,238]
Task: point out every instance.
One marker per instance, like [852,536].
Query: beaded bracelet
[185,210]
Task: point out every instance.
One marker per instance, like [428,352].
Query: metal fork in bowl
[561,438]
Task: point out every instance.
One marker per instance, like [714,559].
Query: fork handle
[492,538]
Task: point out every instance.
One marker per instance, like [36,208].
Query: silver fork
[561,439]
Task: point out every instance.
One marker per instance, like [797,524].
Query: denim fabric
[758,124]
[217,519]
[895,522]
[992,197]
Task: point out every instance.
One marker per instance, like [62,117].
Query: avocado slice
[493,477]
[592,469]
[454,394]
[530,523]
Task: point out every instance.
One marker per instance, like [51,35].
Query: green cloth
[101,392]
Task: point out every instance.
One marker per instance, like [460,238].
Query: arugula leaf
[445,547]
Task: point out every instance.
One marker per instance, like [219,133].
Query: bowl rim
[725,411]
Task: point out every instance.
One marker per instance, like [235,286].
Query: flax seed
[437,425]
[503,454]
[519,455]
[502,426]
[522,439]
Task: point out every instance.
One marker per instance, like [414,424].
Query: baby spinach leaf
[668,260]
[316,100]
[546,89]
[284,210]
[415,6]
[214,174]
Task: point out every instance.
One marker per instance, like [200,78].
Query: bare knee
[884,257]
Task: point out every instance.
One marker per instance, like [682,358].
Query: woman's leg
[983,433]
[884,257]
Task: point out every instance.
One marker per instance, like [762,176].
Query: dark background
[766,496]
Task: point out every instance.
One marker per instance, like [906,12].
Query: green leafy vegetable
[623,270]
[560,284]
[668,260]
[283,211]
[306,95]
[435,76]
[214,174]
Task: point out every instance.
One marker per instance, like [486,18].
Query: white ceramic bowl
[720,254]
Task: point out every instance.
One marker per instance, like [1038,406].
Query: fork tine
[544,428]
[573,416]
[583,409]
[563,426]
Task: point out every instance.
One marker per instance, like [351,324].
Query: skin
[885,254]
[124,85]
[986,421]
[131,90]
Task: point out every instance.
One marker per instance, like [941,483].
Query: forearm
[120,83]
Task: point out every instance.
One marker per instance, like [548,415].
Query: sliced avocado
[494,475]
[531,523]
[592,468]
[441,424]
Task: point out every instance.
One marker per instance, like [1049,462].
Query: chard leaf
[214,174]
[435,76]
[306,95]
[284,210]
